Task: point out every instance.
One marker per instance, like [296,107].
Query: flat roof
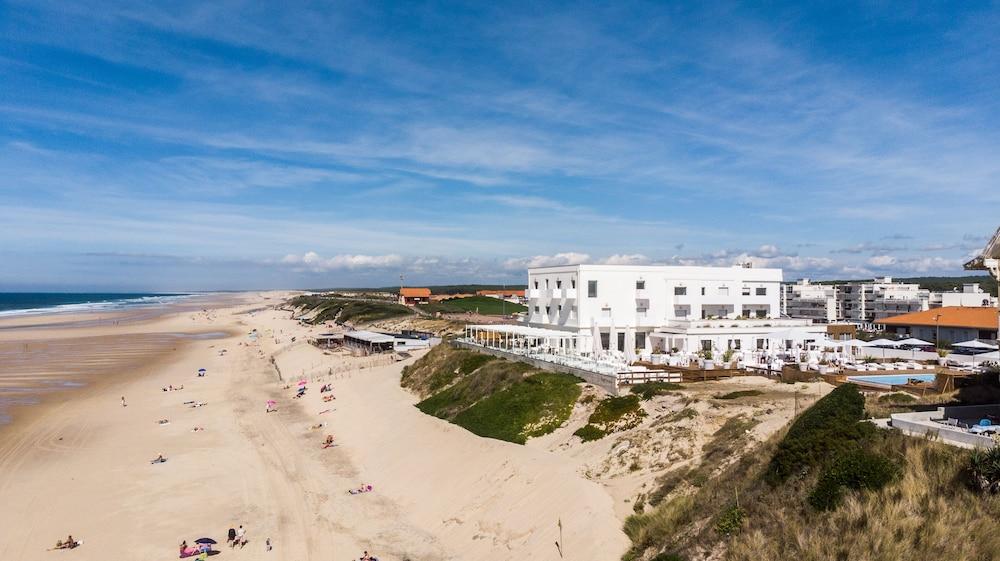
[369,336]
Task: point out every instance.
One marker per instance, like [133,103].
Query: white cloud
[621,259]
[312,261]
[881,261]
[569,258]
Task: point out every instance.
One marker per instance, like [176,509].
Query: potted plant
[727,358]
[709,363]
[942,354]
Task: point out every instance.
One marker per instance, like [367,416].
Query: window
[606,312]
[706,345]
[592,289]
[640,340]
[760,344]
[640,285]
[548,310]
[572,283]
[558,283]
[703,291]
[536,309]
[761,291]
[536,285]
[546,284]
[761,314]
[734,344]
[559,308]
[680,291]
[723,291]
[746,291]
[621,341]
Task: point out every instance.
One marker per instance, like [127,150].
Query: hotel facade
[669,307]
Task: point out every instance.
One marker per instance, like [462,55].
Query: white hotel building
[670,307]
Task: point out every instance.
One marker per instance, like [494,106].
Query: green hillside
[478,304]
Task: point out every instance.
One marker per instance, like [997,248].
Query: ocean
[26,303]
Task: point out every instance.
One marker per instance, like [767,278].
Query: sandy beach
[79,463]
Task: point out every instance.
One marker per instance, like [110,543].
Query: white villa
[689,309]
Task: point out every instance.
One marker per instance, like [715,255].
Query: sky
[247,145]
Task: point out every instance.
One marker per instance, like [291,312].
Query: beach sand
[79,463]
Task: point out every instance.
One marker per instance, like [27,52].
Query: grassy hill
[348,310]
[477,304]
[830,487]
[435,289]
[489,396]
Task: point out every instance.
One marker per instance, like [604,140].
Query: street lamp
[937,331]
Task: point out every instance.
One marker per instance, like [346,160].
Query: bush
[730,521]
[589,432]
[857,469]
[667,557]
[896,397]
[739,394]
[984,470]
[827,428]
[649,390]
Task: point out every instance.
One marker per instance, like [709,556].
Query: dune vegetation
[828,477]
[490,396]
[347,310]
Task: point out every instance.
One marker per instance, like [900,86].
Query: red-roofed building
[955,324]
[410,296]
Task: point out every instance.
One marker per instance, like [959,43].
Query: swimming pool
[890,380]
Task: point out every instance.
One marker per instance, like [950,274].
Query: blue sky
[229,145]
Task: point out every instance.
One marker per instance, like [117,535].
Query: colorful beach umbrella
[205,540]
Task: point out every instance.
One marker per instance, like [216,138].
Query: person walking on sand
[123,402]
[241,536]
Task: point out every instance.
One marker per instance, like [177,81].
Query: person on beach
[328,442]
[267,544]
[241,536]
[159,459]
[231,537]
[123,402]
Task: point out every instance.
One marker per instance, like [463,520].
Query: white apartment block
[803,299]
[971,296]
[868,302]
[689,308]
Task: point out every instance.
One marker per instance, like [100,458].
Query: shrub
[649,390]
[589,432]
[897,397]
[857,469]
[830,426]
[667,557]
[730,521]
[984,470]
[739,394]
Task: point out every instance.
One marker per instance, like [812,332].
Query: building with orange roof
[410,296]
[954,324]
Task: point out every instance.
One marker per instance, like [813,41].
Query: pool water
[891,380]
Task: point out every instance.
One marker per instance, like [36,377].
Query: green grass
[531,407]
[897,397]
[649,390]
[612,414]
[479,304]
[489,396]
[739,394]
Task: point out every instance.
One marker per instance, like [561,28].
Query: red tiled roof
[415,292]
[500,293]
[950,316]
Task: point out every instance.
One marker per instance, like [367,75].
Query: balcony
[534,293]
[569,294]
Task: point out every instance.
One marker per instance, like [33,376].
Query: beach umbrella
[202,370]
[630,345]
[914,342]
[975,344]
[595,334]
[612,339]
[883,343]
[206,540]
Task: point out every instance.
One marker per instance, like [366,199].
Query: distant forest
[440,289]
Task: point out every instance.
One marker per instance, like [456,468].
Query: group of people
[197,549]
[238,536]
[171,388]
[364,488]
[68,543]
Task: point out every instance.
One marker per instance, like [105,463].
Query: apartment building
[803,299]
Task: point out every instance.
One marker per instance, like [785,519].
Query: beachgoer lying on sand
[362,489]
[199,404]
[328,398]
[158,460]
[317,426]
[187,551]
[328,442]
[70,543]
[188,402]
[163,422]
[366,557]
[197,429]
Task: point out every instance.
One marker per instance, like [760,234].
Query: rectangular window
[640,340]
[606,312]
[536,285]
[761,314]
[746,291]
[592,289]
[546,284]
[572,283]
[723,291]
[703,291]
[558,283]
[706,345]
[762,291]
[760,344]
[536,309]
[640,285]
[605,339]
[680,291]
[548,310]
